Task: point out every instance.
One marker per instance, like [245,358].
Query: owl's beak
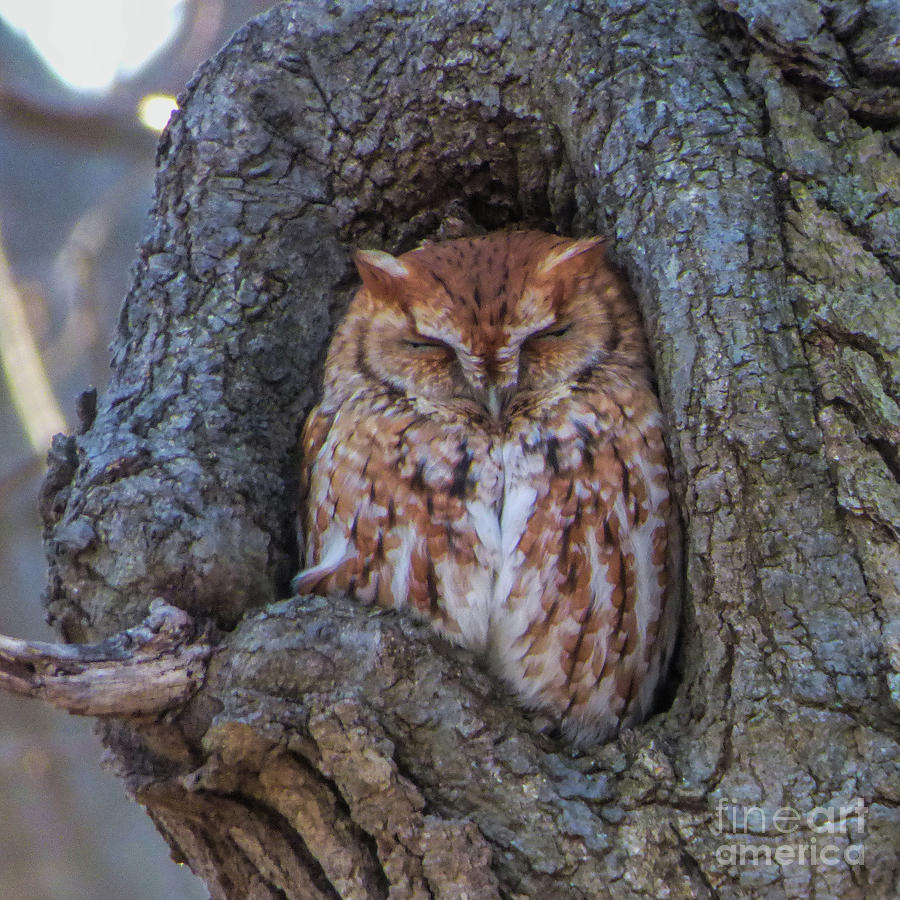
[492,389]
[494,402]
[495,399]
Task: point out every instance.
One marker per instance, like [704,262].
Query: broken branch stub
[142,671]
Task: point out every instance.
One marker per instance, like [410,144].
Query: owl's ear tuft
[580,256]
[381,273]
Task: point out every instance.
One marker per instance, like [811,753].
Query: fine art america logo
[823,836]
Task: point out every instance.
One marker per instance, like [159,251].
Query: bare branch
[142,671]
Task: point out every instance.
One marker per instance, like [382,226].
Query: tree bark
[742,158]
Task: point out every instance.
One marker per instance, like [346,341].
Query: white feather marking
[335,551]
[466,594]
[601,589]
[518,505]
[487,527]
[400,560]
[520,471]
[639,542]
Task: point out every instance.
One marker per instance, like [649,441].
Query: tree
[740,157]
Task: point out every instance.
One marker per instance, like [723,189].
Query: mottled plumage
[488,453]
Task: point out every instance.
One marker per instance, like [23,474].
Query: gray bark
[742,159]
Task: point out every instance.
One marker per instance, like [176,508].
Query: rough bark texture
[741,158]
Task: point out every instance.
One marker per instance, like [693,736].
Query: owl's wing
[315,433]
[581,619]
[397,504]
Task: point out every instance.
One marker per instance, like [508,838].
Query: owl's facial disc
[462,324]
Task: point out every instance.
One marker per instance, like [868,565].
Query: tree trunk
[740,158]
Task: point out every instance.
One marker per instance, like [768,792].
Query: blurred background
[85,88]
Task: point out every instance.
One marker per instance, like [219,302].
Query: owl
[488,455]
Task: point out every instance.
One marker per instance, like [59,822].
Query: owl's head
[485,320]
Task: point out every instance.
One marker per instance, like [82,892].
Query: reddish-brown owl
[488,453]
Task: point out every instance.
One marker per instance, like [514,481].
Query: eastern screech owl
[489,454]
